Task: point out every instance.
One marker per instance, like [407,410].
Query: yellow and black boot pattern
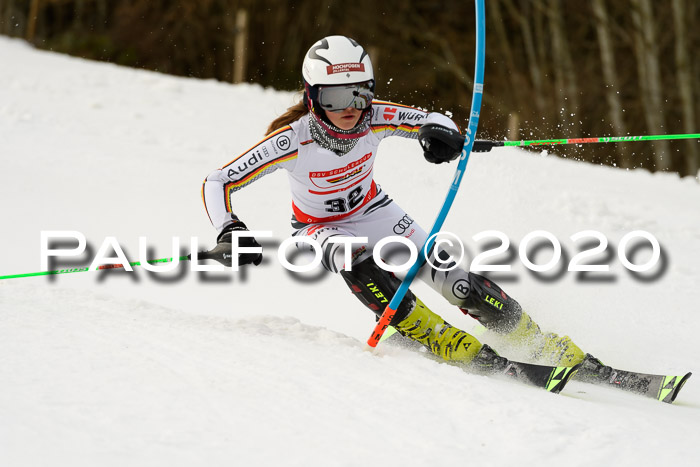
[374,287]
[441,338]
[546,348]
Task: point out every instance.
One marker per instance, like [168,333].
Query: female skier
[327,143]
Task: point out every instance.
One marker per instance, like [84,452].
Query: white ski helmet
[337,61]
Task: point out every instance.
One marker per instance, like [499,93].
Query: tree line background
[554,69]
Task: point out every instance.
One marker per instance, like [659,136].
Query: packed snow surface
[265,367]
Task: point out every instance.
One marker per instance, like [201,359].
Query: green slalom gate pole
[484,145]
[85,269]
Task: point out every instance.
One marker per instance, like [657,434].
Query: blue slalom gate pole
[477,94]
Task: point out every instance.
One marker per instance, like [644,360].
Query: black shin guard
[374,287]
[490,305]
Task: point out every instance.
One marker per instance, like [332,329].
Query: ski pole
[84,269]
[219,253]
[477,94]
[486,146]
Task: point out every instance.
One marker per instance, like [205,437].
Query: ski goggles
[340,97]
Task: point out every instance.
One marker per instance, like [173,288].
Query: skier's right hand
[225,239]
[222,251]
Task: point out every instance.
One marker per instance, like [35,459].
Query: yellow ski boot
[441,338]
[547,348]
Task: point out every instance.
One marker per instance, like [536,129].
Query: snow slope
[267,368]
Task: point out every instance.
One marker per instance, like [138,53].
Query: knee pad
[375,287]
[490,305]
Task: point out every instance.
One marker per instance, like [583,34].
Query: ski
[551,378]
[664,388]
[661,387]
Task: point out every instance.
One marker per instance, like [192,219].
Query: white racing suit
[335,195]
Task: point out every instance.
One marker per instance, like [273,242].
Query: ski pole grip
[481,145]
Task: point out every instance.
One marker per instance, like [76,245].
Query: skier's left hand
[440,143]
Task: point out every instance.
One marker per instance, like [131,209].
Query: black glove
[222,251]
[225,238]
[440,143]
